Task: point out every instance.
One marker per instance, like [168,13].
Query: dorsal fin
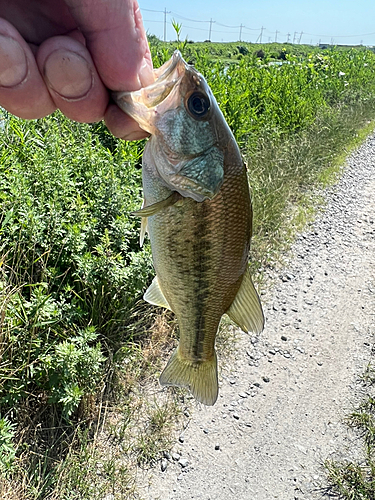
[246,310]
[155,296]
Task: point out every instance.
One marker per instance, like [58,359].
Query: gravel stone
[184,462]
[301,421]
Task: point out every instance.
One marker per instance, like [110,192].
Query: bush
[70,263]
[7,451]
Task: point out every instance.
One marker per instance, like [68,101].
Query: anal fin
[155,296]
[246,310]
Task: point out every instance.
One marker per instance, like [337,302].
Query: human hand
[66,53]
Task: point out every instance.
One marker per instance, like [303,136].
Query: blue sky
[337,21]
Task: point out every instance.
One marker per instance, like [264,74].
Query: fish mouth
[140,104]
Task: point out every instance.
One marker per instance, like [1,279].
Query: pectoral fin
[156,207]
[155,296]
[246,310]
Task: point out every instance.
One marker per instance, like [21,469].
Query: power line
[188,19]
[252,29]
[341,36]
[227,26]
[212,31]
[198,29]
[242,28]
[150,10]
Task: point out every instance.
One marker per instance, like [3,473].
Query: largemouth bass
[198,214]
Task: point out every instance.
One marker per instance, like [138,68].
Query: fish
[198,214]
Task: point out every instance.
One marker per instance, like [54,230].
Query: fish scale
[199,220]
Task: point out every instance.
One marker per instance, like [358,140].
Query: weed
[78,350]
[7,450]
[356,481]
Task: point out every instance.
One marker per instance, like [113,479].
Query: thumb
[117,41]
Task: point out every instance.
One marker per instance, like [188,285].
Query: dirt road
[281,407]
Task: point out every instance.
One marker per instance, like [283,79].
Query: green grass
[284,174]
[79,351]
[356,480]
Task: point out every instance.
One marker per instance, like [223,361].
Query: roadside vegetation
[355,480]
[78,347]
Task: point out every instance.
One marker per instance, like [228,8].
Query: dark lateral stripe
[201,269]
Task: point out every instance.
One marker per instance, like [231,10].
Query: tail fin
[201,378]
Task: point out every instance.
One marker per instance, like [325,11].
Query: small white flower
[341,73]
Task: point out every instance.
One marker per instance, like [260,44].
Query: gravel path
[281,407]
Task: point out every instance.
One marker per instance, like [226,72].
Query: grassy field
[78,347]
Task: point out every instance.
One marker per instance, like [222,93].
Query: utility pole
[294,37]
[299,41]
[165,24]
[261,34]
[288,38]
[240,32]
[276,36]
[209,33]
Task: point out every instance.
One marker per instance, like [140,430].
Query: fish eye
[198,105]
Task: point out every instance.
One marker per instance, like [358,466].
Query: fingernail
[68,74]
[13,62]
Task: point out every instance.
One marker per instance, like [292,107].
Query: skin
[66,54]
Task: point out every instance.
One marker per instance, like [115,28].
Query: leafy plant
[180,45]
[7,450]
[73,370]
[71,269]
[355,480]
